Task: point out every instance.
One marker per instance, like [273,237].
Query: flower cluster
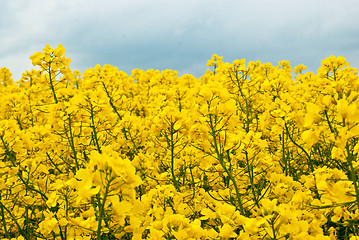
[247,151]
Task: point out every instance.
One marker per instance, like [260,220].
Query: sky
[178,34]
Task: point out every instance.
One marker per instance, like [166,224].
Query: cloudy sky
[178,34]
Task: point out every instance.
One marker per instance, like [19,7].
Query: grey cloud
[181,35]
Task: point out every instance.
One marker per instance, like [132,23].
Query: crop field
[249,150]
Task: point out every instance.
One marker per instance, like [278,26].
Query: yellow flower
[85,187]
[47,226]
[345,109]
[299,69]
[52,201]
[207,213]
[227,232]
[5,77]
[59,51]
[313,114]
[338,153]
[63,222]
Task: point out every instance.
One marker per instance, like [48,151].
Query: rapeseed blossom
[247,151]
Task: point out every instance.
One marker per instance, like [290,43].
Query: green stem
[102,207]
[220,158]
[14,219]
[43,196]
[309,160]
[30,110]
[19,122]
[352,173]
[251,178]
[327,118]
[51,83]
[172,148]
[111,101]
[55,165]
[248,107]
[70,138]
[273,229]
[94,132]
[3,219]
[8,152]
[171,145]
[283,156]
